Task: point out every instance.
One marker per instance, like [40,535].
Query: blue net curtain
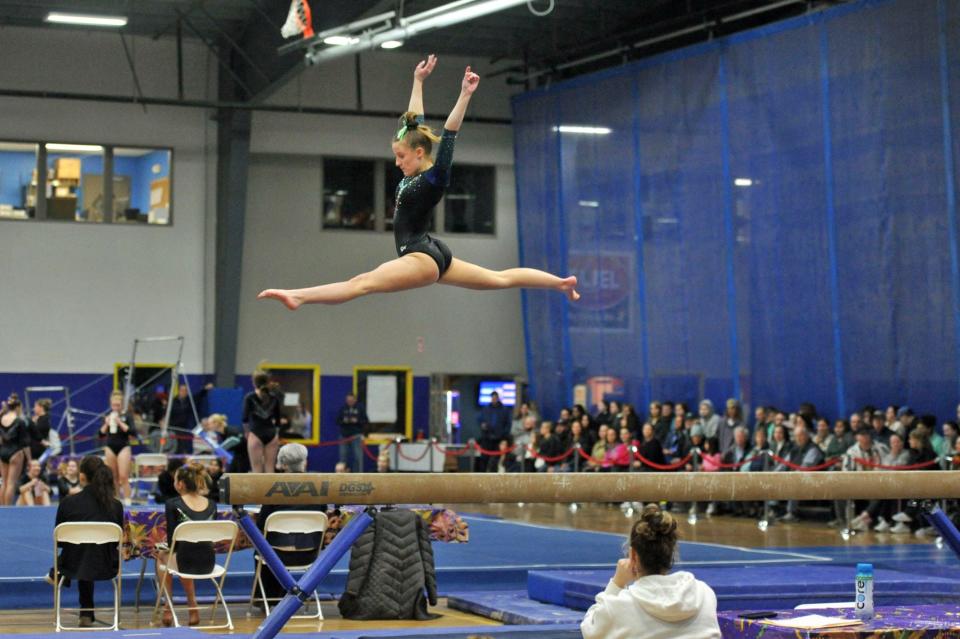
[769,217]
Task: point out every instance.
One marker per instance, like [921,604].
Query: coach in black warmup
[90,562]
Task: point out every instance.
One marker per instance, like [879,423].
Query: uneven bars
[459,488]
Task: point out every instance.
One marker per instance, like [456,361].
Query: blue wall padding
[832,278]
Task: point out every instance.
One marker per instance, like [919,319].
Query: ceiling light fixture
[86,19]
[340,40]
[743,182]
[74,148]
[391,44]
[443,16]
[586,130]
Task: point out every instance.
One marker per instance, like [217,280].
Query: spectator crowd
[670,437]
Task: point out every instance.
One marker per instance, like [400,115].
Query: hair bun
[655,523]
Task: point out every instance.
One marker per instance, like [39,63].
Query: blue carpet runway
[501,553]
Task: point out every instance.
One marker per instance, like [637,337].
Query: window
[18,170]
[392,177]
[141,185]
[74,182]
[359,195]
[348,194]
[89,183]
[470,201]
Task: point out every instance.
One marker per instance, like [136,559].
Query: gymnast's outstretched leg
[413,270]
[467,275]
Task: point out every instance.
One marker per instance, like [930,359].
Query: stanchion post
[472,445]
[576,457]
[430,443]
[358,452]
[767,515]
[310,580]
[695,462]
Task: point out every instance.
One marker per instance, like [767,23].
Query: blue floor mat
[761,587]
[147,633]
[571,631]
[497,557]
[512,607]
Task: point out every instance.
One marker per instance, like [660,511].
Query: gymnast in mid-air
[422,259]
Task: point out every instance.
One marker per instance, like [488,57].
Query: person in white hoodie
[656,605]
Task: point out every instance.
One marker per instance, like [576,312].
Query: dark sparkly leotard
[416,196]
[13,439]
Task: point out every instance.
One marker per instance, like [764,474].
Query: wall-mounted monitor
[507,391]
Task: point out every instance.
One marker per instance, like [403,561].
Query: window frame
[380,201]
[493,204]
[41,156]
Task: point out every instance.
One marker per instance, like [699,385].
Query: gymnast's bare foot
[289,300]
[569,287]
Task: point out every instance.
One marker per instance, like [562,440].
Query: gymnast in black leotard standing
[116,431]
[423,260]
[261,416]
[14,446]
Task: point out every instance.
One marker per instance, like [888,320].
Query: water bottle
[864,600]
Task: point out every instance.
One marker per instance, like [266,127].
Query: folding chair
[83,532]
[144,461]
[212,531]
[289,522]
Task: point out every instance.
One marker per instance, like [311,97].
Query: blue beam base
[298,593]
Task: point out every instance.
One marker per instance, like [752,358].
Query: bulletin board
[386,393]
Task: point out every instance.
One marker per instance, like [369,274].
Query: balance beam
[463,488]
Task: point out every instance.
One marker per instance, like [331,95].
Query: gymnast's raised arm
[423,70]
[469,84]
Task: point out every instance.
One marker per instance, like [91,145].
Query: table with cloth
[146,528]
[928,621]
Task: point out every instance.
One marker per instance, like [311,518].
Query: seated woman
[642,601]
[650,449]
[599,450]
[166,480]
[581,433]
[296,549]
[616,456]
[90,562]
[191,505]
[33,491]
[507,461]
[68,481]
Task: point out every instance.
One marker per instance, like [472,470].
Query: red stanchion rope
[454,453]
[792,466]
[399,447]
[589,457]
[337,442]
[550,460]
[871,464]
[656,466]
[494,453]
[366,451]
[739,464]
